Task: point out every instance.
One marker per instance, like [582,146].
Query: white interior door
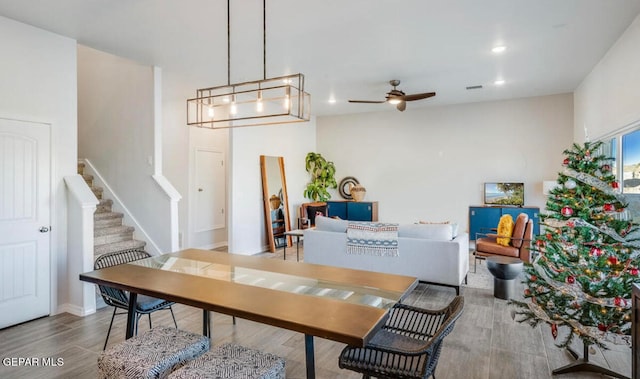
[24,221]
[210,190]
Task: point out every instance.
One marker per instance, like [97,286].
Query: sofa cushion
[454,226]
[440,232]
[328,224]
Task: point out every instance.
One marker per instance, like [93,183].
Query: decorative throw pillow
[505,230]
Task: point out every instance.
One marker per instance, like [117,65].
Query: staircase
[108,231]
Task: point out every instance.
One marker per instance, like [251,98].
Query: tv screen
[504,194]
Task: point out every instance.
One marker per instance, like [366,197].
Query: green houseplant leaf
[322,177]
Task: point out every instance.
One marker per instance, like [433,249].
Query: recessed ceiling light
[499,82]
[332,100]
[499,49]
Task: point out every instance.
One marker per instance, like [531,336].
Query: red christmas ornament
[549,236]
[554,331]
[613,260]
[614,185]
[619,302]
[633,271]
[527,292]
[565,162]
[602,327]
[540,243]
[595,252]
[571,279]
[567,211]
[571,224]
[534,278]
[608,208]
[605,167]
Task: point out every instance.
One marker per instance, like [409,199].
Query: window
[624,147]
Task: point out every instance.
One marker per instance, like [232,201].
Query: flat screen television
[504,194]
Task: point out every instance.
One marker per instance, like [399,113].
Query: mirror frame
[266,205]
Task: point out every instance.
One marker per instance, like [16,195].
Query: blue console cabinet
[483,218]
[353,210]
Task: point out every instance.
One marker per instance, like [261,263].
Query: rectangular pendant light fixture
[279,100]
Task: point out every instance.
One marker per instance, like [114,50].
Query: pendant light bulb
[210,112]
[233,109]
[259,105]
[287,98]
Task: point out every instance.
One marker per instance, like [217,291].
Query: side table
[295,233]
[505,270]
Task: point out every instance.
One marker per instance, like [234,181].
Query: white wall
[430,164]
[38,83]
[116,133]
[291,141]
[608,98]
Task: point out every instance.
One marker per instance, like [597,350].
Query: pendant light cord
[264,39]
[228,43]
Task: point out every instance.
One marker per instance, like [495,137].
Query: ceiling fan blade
[368,101]
[418,96]
[402,106]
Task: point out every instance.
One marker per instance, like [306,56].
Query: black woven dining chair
[407,346]
[120,299]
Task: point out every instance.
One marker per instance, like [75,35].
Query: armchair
[310,210]
[408,345]
[519,242]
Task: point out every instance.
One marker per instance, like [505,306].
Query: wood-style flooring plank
[485,344]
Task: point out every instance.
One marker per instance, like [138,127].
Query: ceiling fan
[397,97]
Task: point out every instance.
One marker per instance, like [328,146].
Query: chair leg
[234,319]
[109,331]
[174,318]
[149,314]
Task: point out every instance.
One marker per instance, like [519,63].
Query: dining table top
[339,304]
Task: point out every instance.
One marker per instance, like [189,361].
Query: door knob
[44,229]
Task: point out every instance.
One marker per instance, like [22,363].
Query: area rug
[482,278]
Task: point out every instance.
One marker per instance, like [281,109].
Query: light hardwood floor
[485,344]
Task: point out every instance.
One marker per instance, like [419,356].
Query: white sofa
[431,252]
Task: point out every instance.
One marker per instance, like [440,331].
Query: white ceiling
[351,48]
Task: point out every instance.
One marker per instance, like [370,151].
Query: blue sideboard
[483,218]
[353,210]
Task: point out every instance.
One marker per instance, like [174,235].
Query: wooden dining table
[338,304]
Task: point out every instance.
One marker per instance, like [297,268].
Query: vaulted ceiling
[351,49]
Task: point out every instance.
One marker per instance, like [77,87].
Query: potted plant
[322,177]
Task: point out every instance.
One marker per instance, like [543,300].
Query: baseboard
[75,310]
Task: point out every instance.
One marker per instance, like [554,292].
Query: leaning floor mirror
[276,202]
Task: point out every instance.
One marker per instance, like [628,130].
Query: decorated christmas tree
[587,257]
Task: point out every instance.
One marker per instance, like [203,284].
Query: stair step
[109,230]
[114,221]
[117,246]
[80,168]
[97,191]
[104,206]
[88,179]
[105,215]
[113,234]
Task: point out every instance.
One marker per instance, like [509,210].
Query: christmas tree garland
[588,257]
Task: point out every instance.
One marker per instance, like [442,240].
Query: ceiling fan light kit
[397,97]
[278,100]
